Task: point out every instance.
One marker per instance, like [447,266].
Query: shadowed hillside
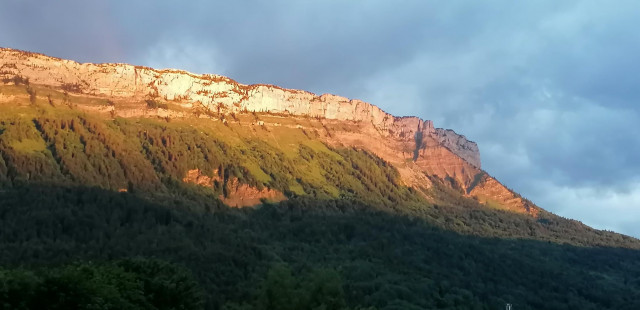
[379,259]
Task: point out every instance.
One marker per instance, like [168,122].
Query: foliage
[152,158]
[126,284]
[71,87]
[349,236]
[375,258]
[153,104]
[32,95]
[321,289]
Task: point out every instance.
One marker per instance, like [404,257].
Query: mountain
[233,181]
[411,145]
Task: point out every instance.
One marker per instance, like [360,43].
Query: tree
[65,99]
[278,291]
[323,291]
[32,95]
[167,286]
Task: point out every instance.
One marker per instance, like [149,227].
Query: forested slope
[372,258]
[346,232]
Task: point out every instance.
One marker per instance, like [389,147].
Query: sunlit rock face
[459,145]
[237,194]
[216,93]
[412,145]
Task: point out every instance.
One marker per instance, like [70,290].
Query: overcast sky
[549,89]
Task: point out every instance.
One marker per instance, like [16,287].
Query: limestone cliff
[459,144]
[212,92]
[191,90]
[414,146]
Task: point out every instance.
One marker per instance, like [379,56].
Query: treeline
[282,290]
[455,212]
[371,258]
[137,284]
[126,284]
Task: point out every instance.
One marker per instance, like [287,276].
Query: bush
[152,104]
[32,95]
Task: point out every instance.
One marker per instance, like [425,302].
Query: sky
[548,89]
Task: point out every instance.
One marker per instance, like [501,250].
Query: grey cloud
[81,30]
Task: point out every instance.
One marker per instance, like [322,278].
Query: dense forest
[122,284]
[98,210]
[367,258]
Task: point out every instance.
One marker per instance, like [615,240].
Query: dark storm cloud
[548,89]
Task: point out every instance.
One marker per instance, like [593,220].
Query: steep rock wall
[459,145]
[209,91]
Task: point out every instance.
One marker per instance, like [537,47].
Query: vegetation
[125,284]
[153,104]
[377,259]
[151,158]
[83,199]
[32,95]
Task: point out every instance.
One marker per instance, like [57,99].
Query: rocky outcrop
[236,193]
[492,193]
[459,145]
[243,195]
[195,176]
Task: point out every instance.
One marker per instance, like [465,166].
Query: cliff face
[413,145]
[211,92]
[191,90]
[459,145]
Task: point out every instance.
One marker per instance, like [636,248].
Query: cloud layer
[547,88]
